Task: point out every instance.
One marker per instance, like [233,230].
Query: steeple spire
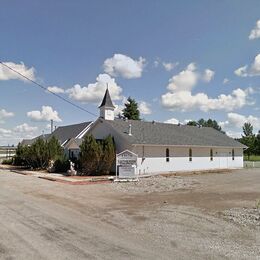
[107,100]
[106,107]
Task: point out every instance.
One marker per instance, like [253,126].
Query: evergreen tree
[207,123]
[192,123]
[131,110]
[39,154]
[248,139]
[19,158]
[55,150]
[90,155]
[248,129]
[108,155]
[257,144]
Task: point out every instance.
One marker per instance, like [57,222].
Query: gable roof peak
[107,101]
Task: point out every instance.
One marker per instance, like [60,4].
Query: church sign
[126,163]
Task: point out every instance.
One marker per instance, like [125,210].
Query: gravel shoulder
[209,216]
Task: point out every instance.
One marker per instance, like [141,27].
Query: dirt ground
[208,216]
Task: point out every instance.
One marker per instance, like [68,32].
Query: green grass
[253,158]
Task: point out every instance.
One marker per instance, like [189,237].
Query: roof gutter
[201,146]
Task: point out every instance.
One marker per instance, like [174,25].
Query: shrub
[39,154]
[62,165]
[90,155]
[108,155]
[7,161]
[96,157]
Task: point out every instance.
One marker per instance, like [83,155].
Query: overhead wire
[46,89]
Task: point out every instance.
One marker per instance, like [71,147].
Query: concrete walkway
[74,180]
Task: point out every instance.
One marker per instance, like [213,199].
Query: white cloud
[172,121]
[180,93]
[4,114]
[18,133]
[252,70]
[242,71]
[185,80]
[233,134]
[25,128]
[144,108]
[46,114]
[124,66]
[208,75]
[225,80]
[15,135]
[94,92]
[184,100]
[255,33]
[56,90]
[156,63]
[237,120]
[169,65]
[7,74]
[119,107]
[4,131]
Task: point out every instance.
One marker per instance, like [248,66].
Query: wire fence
[249,164]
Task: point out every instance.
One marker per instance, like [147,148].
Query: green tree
[248,129]
[248,139]
[131,110]
[90,155]
[55,150]
[257,144]
[19,158]
[108,155]
[206,123]
[192,123]
[39,154]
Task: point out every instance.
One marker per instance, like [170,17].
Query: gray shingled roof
[31,141]
[63,133]
[107,100]
[170,134]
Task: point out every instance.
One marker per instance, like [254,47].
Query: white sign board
[126,162]
[126,172]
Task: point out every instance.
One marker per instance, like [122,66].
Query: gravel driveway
[209,216]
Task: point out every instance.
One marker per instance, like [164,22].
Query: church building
[160,147]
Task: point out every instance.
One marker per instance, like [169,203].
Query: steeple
[107,108]
[107,100]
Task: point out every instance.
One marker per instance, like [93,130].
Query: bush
[8,161]
[39,154]
[96,157]
[90,155]
[108,155]
[62,165]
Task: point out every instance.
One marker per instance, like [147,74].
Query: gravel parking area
[155,184]
[243,216]
[209,216]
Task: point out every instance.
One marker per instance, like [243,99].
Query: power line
[46,89]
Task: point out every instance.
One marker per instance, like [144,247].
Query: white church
[160,147]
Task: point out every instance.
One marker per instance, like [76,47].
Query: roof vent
[153,122]
[130,129]
[179,124]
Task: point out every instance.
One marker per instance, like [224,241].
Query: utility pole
[51,126]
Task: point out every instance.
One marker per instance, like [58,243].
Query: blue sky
[180,60]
